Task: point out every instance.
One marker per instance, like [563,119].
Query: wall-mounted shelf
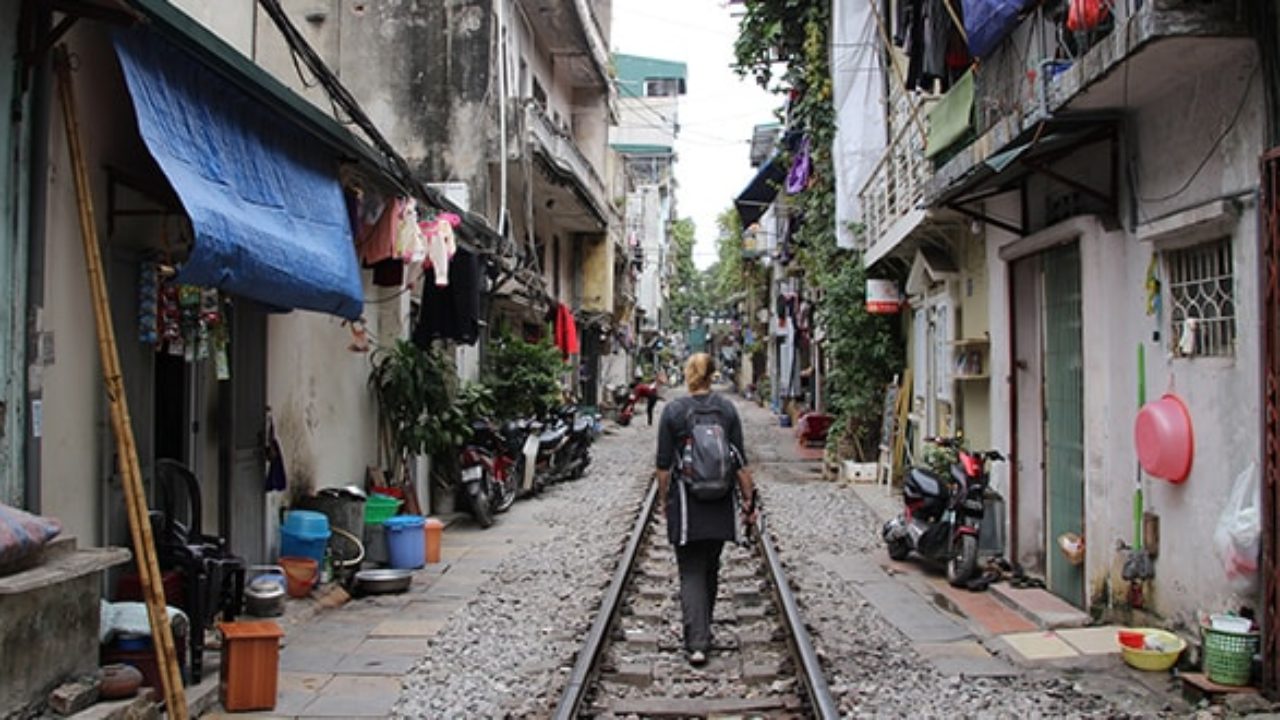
[971,342]
[969,359]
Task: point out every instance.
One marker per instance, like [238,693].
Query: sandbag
[23,534]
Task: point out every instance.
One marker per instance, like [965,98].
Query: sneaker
[697,658]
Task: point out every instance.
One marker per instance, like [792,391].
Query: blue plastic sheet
[264,200]
[987,22]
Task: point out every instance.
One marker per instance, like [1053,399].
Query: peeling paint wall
[1223,395]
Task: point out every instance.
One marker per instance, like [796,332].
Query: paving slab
[1042,607]
[966,658]
[308,659]
[394,665]
[408,628]
[1039,645]
[1099,640]
[989,614]
[915,617]
[302,681]
[414,647]
[350,706]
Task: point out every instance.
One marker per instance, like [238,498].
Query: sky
[717,113]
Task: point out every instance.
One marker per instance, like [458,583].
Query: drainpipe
[501,12]
[38,112]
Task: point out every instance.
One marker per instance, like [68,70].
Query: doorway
[1049,413]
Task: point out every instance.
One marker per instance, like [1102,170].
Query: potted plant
[417,415]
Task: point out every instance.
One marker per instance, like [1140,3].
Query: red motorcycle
[640,391]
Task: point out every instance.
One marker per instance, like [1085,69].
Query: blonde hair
[698,370]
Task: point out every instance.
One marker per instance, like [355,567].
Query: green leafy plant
[475,400]
[523,377]
[415,390]
[939,459]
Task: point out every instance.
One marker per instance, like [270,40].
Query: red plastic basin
[1164,439]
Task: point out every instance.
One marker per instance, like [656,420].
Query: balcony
[577,192]
[1137,57]
[571,34]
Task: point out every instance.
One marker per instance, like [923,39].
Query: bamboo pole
[127,450]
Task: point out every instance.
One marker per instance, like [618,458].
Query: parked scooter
[487,474]
[640,391]
[576,455]
[942,517]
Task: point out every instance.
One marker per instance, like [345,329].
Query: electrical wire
[1235,118]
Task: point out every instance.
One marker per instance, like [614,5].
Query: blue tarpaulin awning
[264,200]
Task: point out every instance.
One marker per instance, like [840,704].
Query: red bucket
[300,575]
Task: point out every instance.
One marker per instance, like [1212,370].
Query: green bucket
[1228,656]
[380,508]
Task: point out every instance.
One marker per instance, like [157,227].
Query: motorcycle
[488,473]
[942,517]
[639,391]
[577,453]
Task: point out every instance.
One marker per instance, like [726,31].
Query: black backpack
[708,463]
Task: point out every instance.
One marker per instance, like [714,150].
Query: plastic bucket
[434,528]
[405,543]
[305,533]
[379,508]
[299,574]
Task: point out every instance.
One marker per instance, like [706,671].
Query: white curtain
[857,73]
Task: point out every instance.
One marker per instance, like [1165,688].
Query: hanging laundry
[566,331]
[452,311]
[1086,15]
[924,31]
[441,245]
[276,478]
[377,239]
[409,242]
[801,166]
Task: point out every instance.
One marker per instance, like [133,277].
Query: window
[1202,301]
[539,95]
[662,87]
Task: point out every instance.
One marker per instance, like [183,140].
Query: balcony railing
[897,184]
[562,150]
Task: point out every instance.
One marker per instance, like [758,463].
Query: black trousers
[699,563]
[653,400]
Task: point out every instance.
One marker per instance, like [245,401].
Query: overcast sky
[717,114]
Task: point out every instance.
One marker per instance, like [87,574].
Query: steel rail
[576,690]
[824,706]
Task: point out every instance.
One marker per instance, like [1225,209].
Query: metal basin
[388,580]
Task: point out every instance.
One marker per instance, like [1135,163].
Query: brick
[70,698]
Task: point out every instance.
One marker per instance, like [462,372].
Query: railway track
[762,663]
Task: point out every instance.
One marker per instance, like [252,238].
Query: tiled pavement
[348,661]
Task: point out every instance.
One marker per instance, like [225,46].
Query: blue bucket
[406,544]
[305,533]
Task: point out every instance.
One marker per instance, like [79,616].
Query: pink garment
[441,244]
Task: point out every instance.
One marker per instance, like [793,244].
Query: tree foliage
[523,377]
[689,295]
[863,351]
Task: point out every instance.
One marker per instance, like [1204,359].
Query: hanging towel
[566,331]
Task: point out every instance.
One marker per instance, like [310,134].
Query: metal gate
[1269,226]
[1063,415]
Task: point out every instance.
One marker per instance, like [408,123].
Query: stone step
[1046,610]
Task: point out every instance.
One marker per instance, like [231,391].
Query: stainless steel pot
[389,580]
[264,595]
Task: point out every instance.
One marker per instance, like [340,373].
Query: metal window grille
[1202,299]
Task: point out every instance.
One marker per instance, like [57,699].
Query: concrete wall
[75,417]
[646,121]
[1223,395]
[973,323]
[597,274]
[231,20]
[325,416]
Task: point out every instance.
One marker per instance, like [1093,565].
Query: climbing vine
[784,46]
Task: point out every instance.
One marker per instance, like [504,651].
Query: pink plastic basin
[1164,439]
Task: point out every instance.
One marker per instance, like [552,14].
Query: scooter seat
[921,483]
[552,436]
[583,424]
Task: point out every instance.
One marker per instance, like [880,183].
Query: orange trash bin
[250,664]
[434,531]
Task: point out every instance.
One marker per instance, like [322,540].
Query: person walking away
[708,491]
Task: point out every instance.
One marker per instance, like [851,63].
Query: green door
[1063,416]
